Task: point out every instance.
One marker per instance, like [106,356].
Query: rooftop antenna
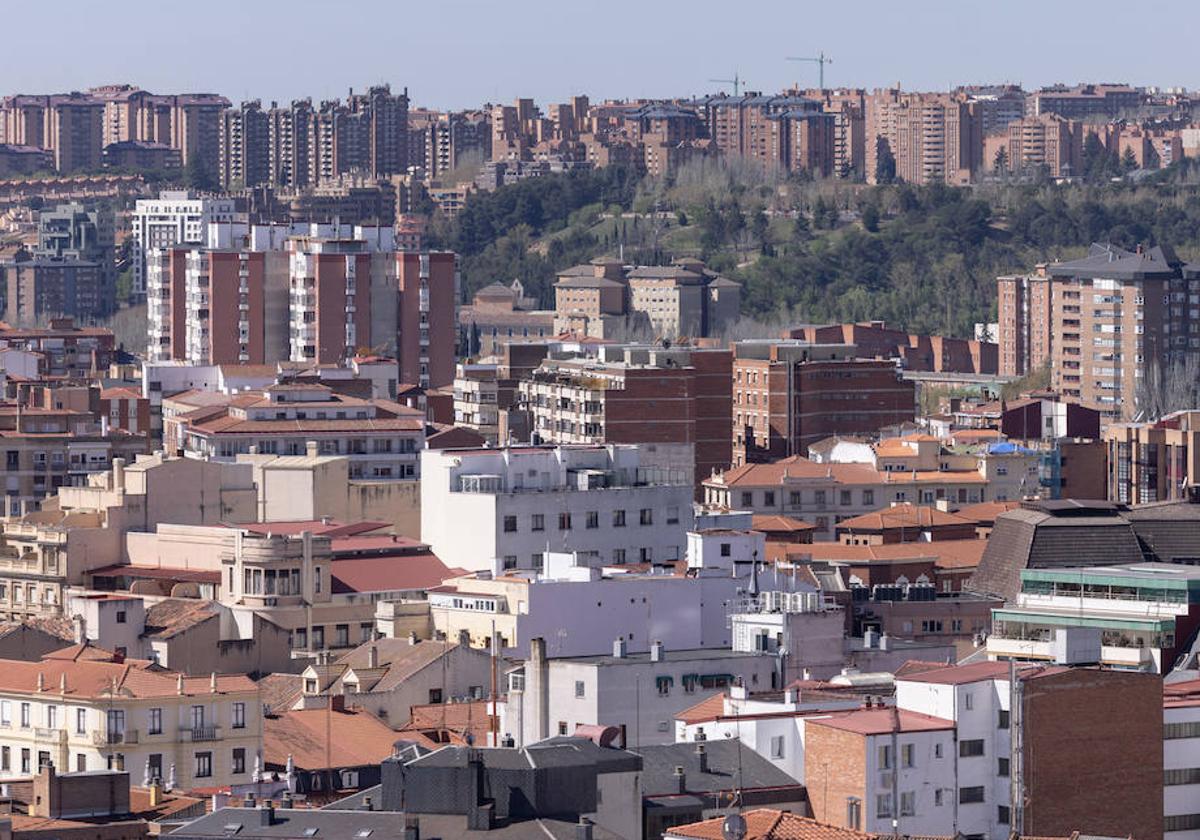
[820,61]
[737,81]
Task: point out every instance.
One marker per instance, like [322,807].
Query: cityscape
[803,460]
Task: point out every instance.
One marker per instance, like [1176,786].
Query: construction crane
[737,82]
[820,61]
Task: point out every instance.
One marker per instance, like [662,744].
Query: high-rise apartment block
[1154,462]
[1110,324]
[1083,101]
[933,137]
[1048,142]
[790,132]
[176,217]
[244,146]
[78,232]
[68,125]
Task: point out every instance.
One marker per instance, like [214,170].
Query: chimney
[367,804]
[870,638]
[266,814]
[373,656]
[656,651]
[702,758]
[250,801]
[869,703]
[464,637]
[79,626]
[412,828]
[118,465]
[680,780]
[791,695]
[155,792]
[310,449]
[583,829]
[286,801]
[883,642]
[619,648]
[412,637]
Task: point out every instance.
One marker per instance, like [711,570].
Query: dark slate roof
[553,752]
[725,757]
[291,823]
[1169,531]
[1109,261]
[1062,536]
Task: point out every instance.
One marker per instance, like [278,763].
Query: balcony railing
[128,736]
[200,733]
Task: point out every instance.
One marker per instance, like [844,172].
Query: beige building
[933,137]
[83,710]
[1153,462]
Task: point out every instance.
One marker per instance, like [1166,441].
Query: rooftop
[356,738]
[882,721]
[767,824]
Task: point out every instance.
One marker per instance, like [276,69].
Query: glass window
[203,765]
[155,721]
[239,716]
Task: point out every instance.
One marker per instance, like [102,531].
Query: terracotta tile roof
[320,738]
[981,671]
[946,554]
[279,692]
[332,528]
[881,721]
[454,436]
[95,679]
[797,467]
[437,724]
[774,523]
[1181,694]
[709,708]
[768,824]
[916,666]
[119,394]
[388,573]
[905,515]
[58,626]
[985,512]
[238,426]
[399,659]
[172,616]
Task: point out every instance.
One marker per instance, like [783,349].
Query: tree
[870,218]
[1128,160]
[198,175]
[758,227]
[1000,164]
[885,162]
[681,218]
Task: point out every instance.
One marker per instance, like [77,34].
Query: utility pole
[820,61]
[737,82]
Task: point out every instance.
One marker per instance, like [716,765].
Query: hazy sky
[460,53]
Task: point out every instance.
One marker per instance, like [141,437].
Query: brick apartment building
[1084,101]
[61,349]
[1047,142]
[1153,462]
[1104,323]
[933,137]
[427,327]
[636,394]
[788,395]
[69,125]
[788,132]
[42,287]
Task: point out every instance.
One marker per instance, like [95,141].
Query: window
[197,715]
[155,721]
[579,688]
[1002,814]
[1002,719]
[726,549]
[80,721]
[907,755]
[510,524]
[969,795]
[342,635]
[968,701]
[24,715]
[564,522]
[747,499]
[853,812]
[562,727]
[239,760]
[203,765]
[239,715]
[937,750]
[5,713]
[883,805]
[537,522]
[908,803]
[970,749]
[592,519]
[80,763]
[937,798]
[618,556]
[646,517]
[769,498]
[120,616]
[435,695]
[777,746]
[5,758]
[844,498]
[1002,767]
[885,756]
[317,588]
[618,519]
[673,515]
[25,760]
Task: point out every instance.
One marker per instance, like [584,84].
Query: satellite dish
[734,827]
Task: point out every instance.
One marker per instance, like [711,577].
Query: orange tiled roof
[775,523]
[769,824]
[707,709]
[905,515]
[986,511]
[798,467]
[879,721]
[355,738]
[96,679]
[948,554]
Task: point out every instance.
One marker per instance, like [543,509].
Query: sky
[462,53]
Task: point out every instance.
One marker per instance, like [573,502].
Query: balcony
[56,736]
[102,739]
[196,734]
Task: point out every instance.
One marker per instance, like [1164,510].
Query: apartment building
[915,352]
[1181,745]
[244,153]
[24,160]
[289,143]
[1048,143]
[62,348]
[176,217]
[498,315]
[1083,101]
[382,438]
[1141,615]
[83,709]
[826,494]
[788,395]
[427,318]
[527,501]
[1153,462]
[1112,321]
[69,125]
[933,138]
[1027,759]
[81,232]
[636,394]
[43,287]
